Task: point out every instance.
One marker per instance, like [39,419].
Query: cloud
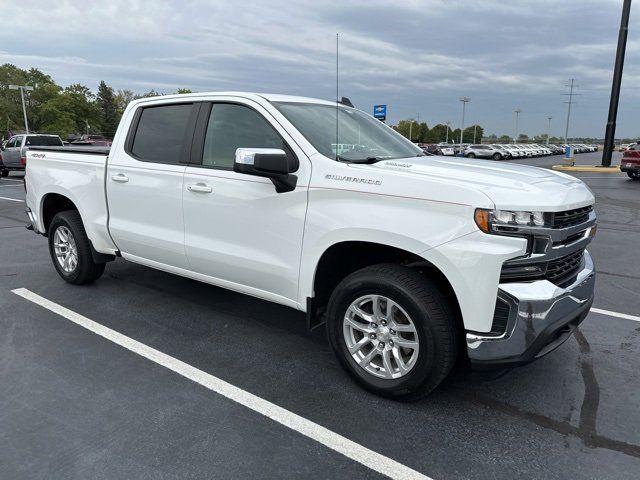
[418,56]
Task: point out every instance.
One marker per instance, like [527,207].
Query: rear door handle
[199,187]
[120,177]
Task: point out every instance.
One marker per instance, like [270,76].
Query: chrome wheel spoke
[398,358]
[377,313]
[356,347]
[369,356]
[386,361]
[404,343]
[401,327]
[361,313]
[359,326]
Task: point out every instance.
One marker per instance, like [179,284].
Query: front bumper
[541,317]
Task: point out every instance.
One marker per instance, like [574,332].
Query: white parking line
[10,186]
[626,316]
[334,441]
[10,180]
[11,199]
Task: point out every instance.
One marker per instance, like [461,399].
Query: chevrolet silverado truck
[414,262]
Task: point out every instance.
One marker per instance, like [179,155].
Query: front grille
[568,218]
[564,267]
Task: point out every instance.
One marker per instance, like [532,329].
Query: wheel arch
[345,257]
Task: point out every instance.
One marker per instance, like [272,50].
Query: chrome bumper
[541,317]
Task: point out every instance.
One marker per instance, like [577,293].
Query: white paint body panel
[246,237]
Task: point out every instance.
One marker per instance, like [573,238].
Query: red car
[630,162]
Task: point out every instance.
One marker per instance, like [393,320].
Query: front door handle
[199,187]
[120,177]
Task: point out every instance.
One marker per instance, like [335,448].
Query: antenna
[337,98]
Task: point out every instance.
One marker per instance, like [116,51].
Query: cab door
[239,231]
[145,184]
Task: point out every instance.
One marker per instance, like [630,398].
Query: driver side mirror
[272,163]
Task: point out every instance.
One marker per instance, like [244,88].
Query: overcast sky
[418,57]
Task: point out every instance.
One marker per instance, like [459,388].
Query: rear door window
[161,133]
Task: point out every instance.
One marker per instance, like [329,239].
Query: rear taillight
[23,161]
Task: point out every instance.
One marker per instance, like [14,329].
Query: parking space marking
[336,442]
[11,180]
[626,316]
[10,186]
[11,199]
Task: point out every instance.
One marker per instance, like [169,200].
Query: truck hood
[508,186]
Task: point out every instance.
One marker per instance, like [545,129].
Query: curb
[586,168]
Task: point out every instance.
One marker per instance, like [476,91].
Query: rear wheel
[70,249]
[634,174]
[392,330]
[4,173]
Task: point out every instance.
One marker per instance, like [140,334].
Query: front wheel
[70,249]
[471,155]
[392,330]
[497,156]
[634,174]
[4,173]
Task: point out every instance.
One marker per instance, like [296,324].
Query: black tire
[4,173]
[86,270]
[471,155]
[634,174]
[430,312]
[497,156]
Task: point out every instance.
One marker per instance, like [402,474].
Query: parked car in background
[14,153]
[447,149]
[92,140]
[623,147]
[485,151]
[513,150]
[630,163]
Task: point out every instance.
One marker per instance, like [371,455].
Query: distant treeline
[74,109]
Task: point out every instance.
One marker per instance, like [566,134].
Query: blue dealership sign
[380,112]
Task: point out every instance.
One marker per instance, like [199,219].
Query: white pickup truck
[414,262]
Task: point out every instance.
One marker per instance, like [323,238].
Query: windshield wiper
[359,160]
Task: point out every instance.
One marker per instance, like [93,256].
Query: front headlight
[491,220]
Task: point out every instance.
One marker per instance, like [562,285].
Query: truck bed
[76,173]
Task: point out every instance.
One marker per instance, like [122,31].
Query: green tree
[406,127]
[150,93]
[438,134]
[108,109]
[123,98]
[504,139]
[523,138]
[184,90]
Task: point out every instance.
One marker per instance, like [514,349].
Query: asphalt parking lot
[76,405]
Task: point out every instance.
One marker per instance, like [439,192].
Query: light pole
[610,131]
[22,88]
[515,137]
[549,129]
[447,136]
[474,133]
[571,85]
[464,101]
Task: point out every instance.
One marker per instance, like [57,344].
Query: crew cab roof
[270,97]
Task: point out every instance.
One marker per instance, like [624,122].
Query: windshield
[359,137]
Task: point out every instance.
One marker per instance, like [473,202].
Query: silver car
[14,153]
[485,151]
